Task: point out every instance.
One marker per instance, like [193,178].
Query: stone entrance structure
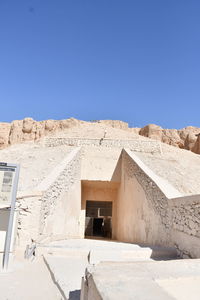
[146,209]
[105,191]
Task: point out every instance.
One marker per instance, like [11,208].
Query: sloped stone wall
[186,214]
[68,179]
[179,216]
[143,211]
[185,224]
[46,214]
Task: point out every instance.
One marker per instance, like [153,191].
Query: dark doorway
[98,221]
[97,226]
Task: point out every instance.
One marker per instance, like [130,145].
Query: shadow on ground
[75,295]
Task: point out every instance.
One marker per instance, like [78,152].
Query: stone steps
[68,260]
[111,252]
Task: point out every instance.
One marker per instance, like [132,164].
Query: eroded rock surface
[30,130]
[185,138]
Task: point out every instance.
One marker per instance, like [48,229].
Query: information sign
[9,175]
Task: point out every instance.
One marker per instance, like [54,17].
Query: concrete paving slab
[135,289]
[178,287]
[68,259]
[106,250]
[97,256]
[67,273]
[147,280]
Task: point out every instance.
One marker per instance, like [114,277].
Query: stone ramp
[147,280]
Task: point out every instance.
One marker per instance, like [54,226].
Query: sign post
[9,176]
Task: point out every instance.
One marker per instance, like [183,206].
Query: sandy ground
[29,281]
[95,130]
[36,161]
[180,167]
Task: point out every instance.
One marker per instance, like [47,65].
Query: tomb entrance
[98,221]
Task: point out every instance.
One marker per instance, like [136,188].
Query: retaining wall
[185,220]
[55,213]
[162,206]
[142,206]
[135,145]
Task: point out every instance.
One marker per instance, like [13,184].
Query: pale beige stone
[196,147]
[16,133]
[31,130]
[152,131]
[4,134]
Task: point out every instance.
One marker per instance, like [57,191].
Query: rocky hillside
[186,138]
[31,130]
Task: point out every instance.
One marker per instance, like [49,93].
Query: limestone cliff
[30,130]
[185,138]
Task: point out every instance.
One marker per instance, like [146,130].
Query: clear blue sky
[138,61]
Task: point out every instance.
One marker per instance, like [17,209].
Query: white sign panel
[7,175]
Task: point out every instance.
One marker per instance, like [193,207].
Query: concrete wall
[61,202]
[63,220]
[138,217]
[185,222]
[151,211]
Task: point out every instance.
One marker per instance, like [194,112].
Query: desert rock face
[196,147]
[184,138]
[115,124]
[190,141]
[167,136]
[152,131]
[4,134]
[30,130]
